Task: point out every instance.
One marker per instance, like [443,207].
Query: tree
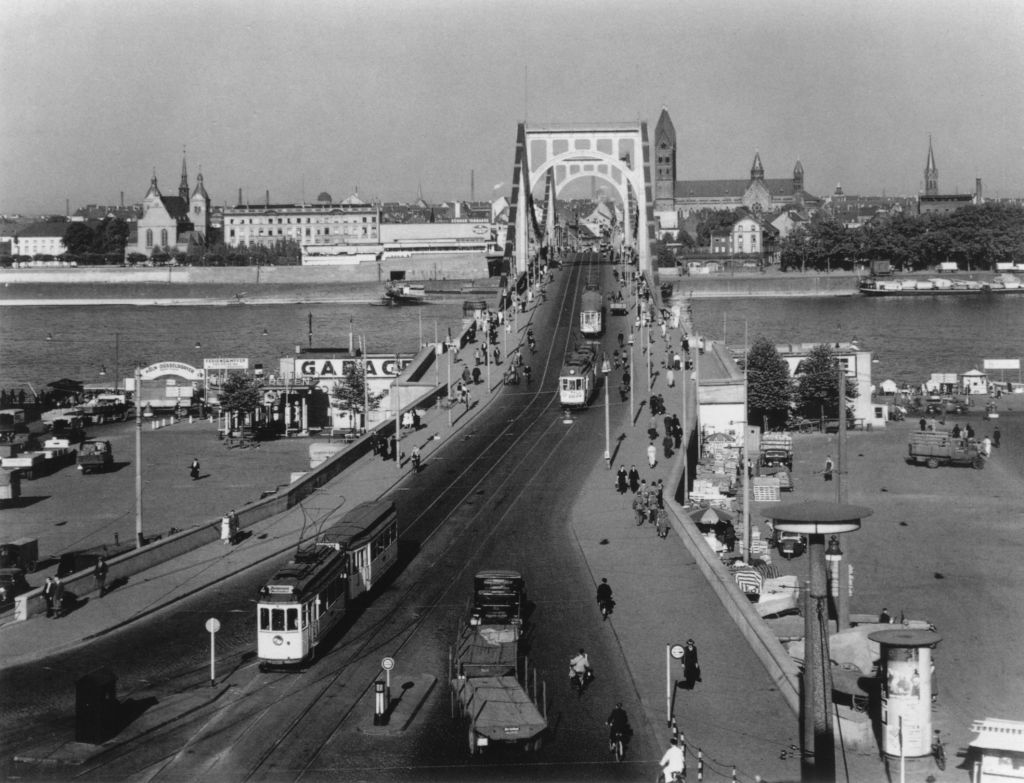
[78,238]
[240,393]
[817,385]
[351,393]
[769,387]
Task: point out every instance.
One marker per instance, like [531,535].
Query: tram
[310,595]
[577,381]
[592,313]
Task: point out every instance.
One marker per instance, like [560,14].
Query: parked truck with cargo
[776,458]
[490,684]
[941,448]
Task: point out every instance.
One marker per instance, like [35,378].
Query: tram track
[427,523]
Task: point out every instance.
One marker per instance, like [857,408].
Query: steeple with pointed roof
[931,172]
[664,162]
[183,185]
[798,177]
[757,170]
[153,189]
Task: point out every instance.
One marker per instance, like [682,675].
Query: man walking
[100,573]
[652,454]
[48,589]
[829,467]
[193,470]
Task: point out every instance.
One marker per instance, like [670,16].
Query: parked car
[12,583]
[789,544]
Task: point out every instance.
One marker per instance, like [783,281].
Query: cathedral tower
[183,185]
[931,173]
[664,163]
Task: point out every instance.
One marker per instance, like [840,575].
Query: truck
[495,705]
[881,268]
[776,458]
[941,448]
[95,455]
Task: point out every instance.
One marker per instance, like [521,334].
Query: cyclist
[673,763]
[618,725]
[579,668]
[604,597]
[526,373]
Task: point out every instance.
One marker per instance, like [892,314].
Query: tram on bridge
[577,381]
[311,594]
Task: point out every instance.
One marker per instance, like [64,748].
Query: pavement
[735,719]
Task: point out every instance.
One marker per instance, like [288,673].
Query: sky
[388,98]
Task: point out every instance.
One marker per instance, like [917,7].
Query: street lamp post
[606,369]
[632,417]
[139,540]
[816,520]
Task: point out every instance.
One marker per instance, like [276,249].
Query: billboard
[1002,364]
[225,363]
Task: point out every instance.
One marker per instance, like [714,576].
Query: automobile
[12,583]
[789,544]
[934,408]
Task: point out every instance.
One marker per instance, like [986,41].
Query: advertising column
[906,656]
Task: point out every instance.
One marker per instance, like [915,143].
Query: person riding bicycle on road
[673,762]
[580,665]
[618,723]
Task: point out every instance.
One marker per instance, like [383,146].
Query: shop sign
[221,363]
[179,369]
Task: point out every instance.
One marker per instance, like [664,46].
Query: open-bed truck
[496,706]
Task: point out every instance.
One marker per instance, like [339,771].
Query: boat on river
[398,292]
[939,286]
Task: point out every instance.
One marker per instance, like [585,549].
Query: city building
[857,364]
[35,239]
[171,223]
[321,223]
[747,235]
[675,198]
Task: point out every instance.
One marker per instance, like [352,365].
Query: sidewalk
[180,577]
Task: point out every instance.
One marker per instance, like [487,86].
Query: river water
[910,337]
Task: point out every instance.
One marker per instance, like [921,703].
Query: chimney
[122,199]
[240,197]
[67,206]
[472,185]
[268,198]
[977,190]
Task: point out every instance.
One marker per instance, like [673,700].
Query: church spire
[153,189]
[757,170]
[798,177]
[183,186]
[931,172]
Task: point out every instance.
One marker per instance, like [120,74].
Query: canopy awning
[66,385]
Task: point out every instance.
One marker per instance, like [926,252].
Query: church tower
[664,163]
[931,173]
[183,185]
[757,170]
[199,208]
[798,178]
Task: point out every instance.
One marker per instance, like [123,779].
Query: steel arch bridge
[618,153]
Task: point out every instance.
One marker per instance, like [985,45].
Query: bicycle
[617,745]
[939,751]
[579,681]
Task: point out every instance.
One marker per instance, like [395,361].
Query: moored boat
[404,293]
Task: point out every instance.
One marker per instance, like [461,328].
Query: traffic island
[408,695]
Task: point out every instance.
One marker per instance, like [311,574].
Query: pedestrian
[416,420]
[48,588]
[467,376]
[392,447]
[996,435]
[654,517]
[670,377]
[970,432]
[465,398]
[923,424]
[885,617]
[476,375]
[58,597]
[497,355]
[955,432]
[652,431]
[375,443]
[100,572]
[652,454]
[829,467]
[639,509]
[729,537]
[677,361]
[476,355]
[193,470]
[666,444]
[659,493]
[691,665]
[677,432]
[622,480]
[634,479]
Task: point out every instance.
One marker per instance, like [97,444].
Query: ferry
[398,292]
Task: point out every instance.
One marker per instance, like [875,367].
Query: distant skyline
[391,97]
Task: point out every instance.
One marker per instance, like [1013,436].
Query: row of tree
[975,237]
[775,398]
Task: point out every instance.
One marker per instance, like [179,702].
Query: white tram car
[578,380]
[592,313]
[310,595]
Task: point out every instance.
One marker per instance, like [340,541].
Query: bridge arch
[617,153]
